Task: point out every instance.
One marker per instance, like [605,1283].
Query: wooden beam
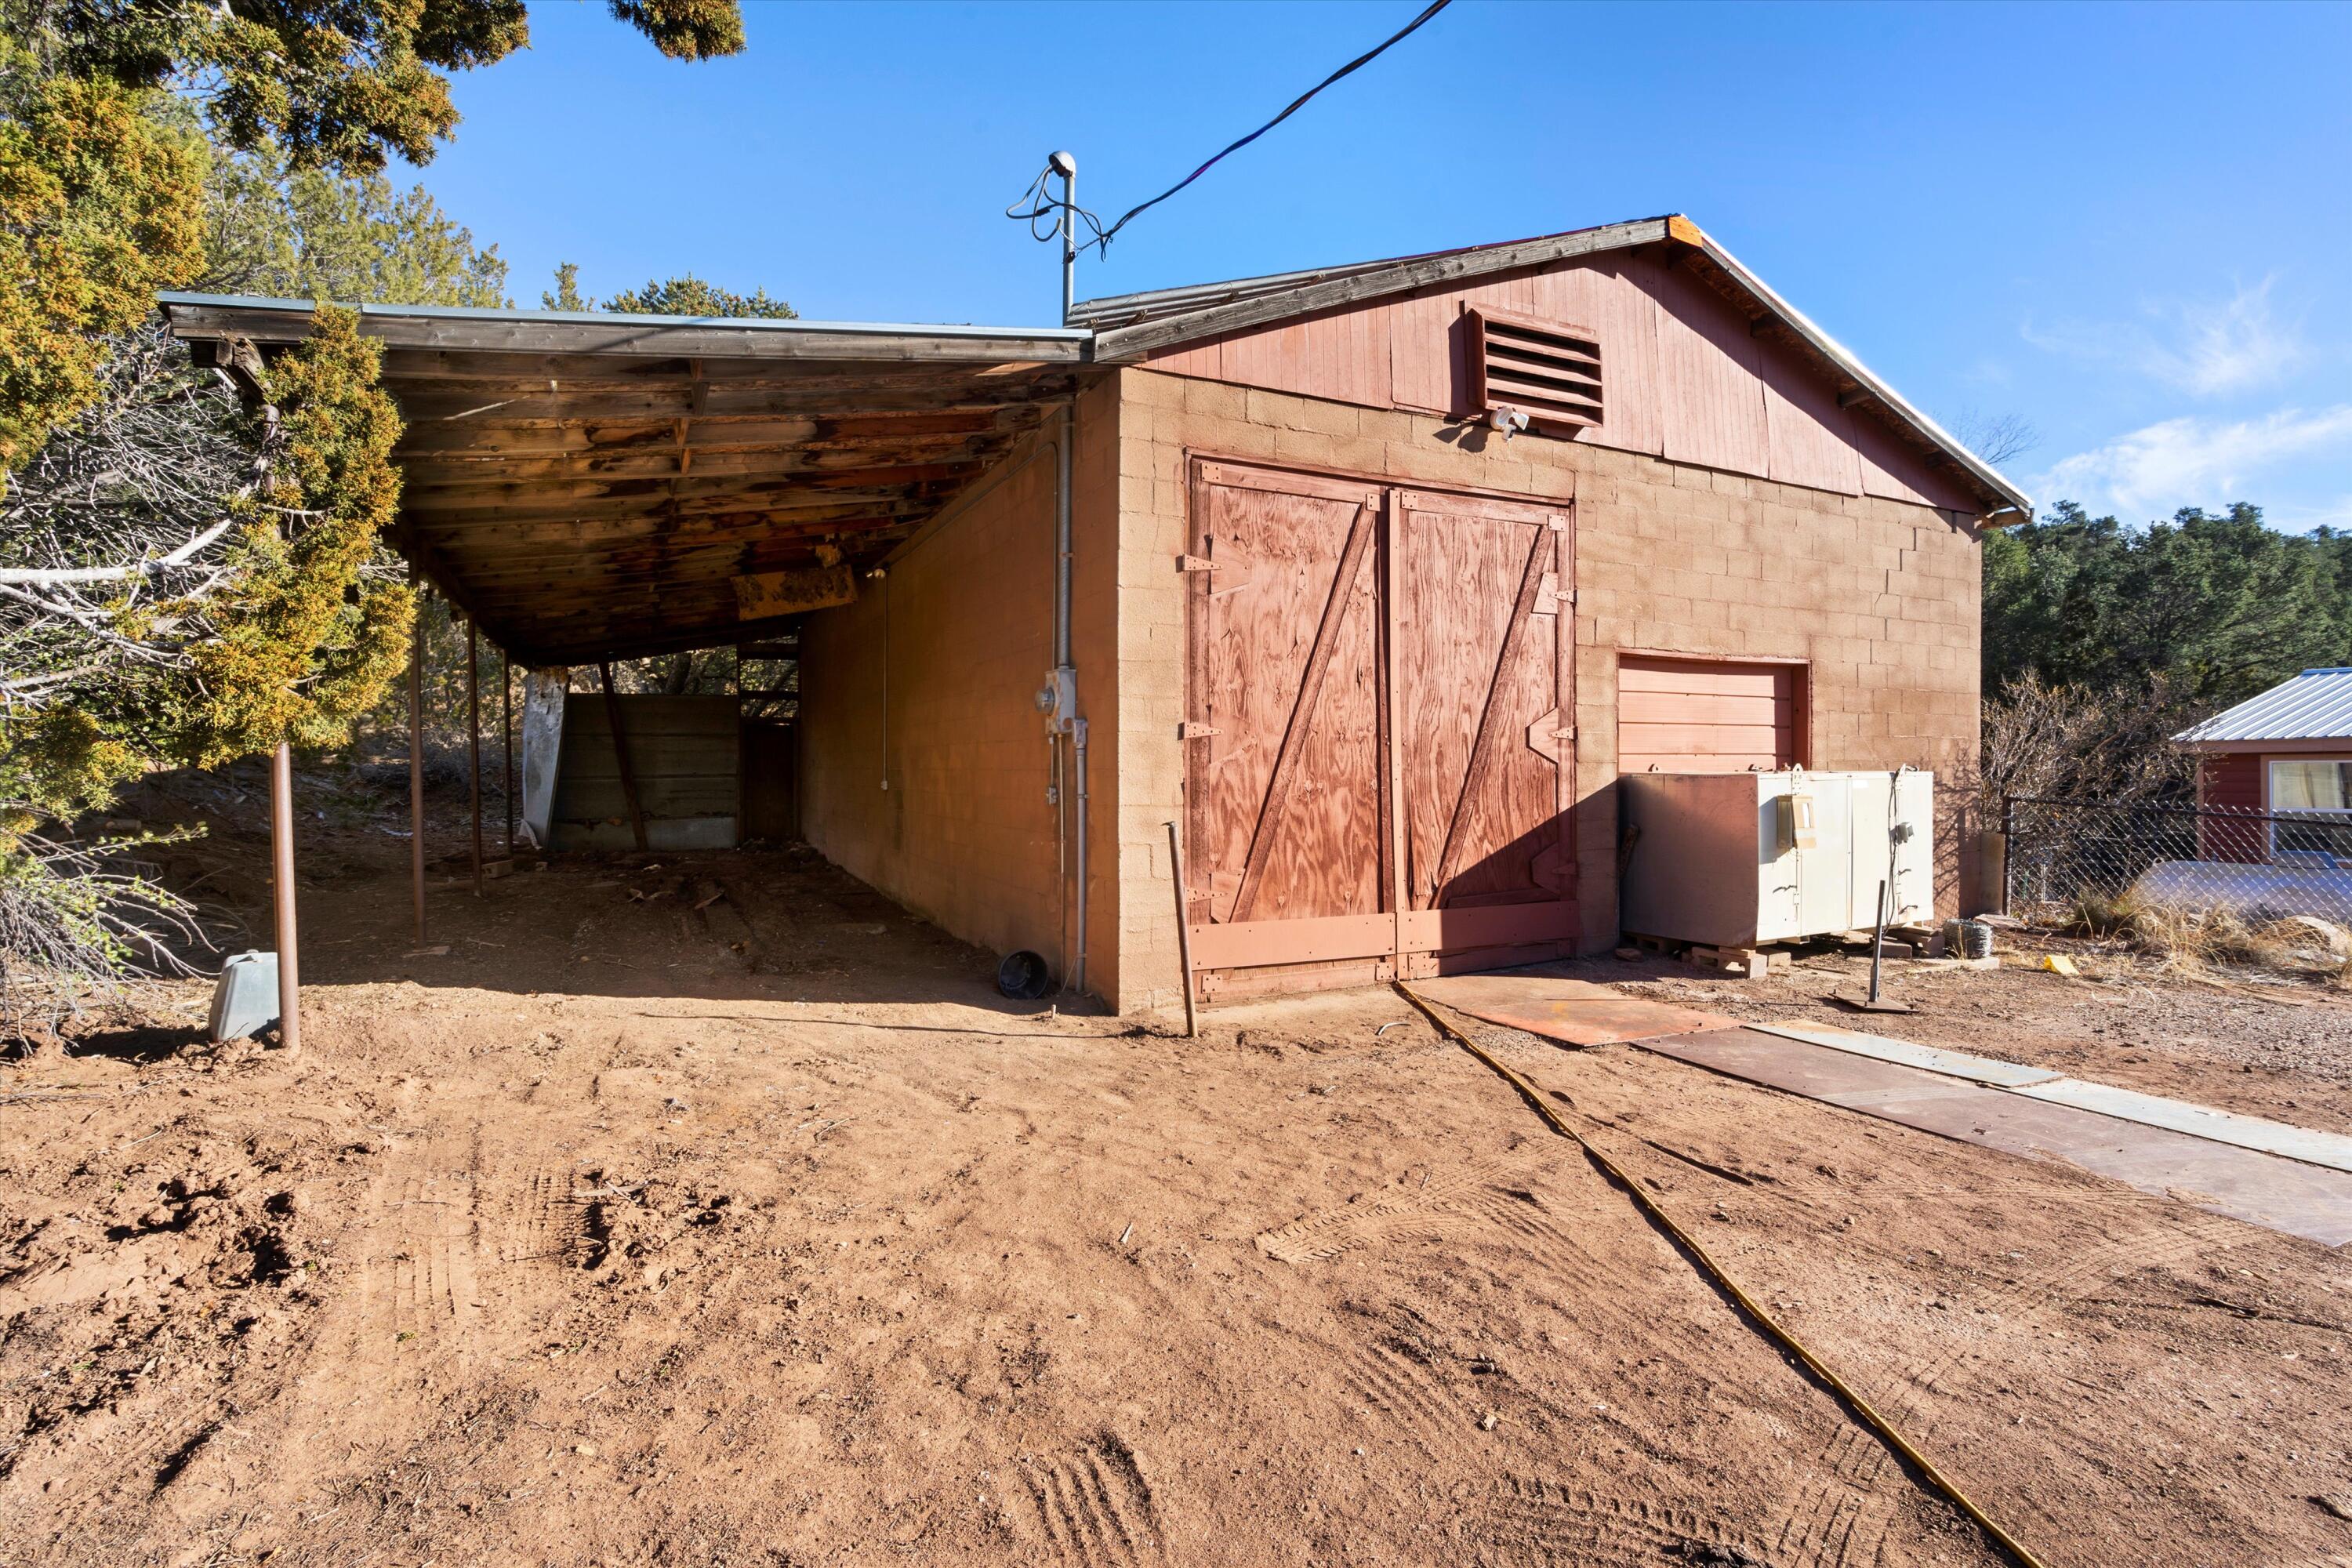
[474,739]
[764,500]
[747,491]
[506,745]
[445,474]
[574,447]
[459,370]
[473,538]
[647,643]
[707,434]
[416,766]
[509,405]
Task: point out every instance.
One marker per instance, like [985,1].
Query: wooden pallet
[1755,963]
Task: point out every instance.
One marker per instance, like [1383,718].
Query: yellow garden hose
[1756,1312]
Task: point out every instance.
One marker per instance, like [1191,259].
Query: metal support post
[281,867]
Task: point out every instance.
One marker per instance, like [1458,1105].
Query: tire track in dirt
[537,1217]
[2088,1273]
[421,1275]
[1441,1208]
[1844,1518]
[1095,1508]
[1533,1520]
[1822,1528]
[1396,1383]
[1839,1519]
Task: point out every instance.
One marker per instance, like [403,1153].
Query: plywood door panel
[1283,784]
[1481,697]
[1352,649]
[1682,715]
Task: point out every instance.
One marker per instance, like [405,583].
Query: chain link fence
[2063,855]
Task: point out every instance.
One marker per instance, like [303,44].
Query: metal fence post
[2008,843]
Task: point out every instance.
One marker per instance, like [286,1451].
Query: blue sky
[2128,225]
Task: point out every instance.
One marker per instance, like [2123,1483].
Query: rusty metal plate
[1576,1012]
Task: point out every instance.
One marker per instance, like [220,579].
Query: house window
[2319,791]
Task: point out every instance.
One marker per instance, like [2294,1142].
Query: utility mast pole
[1067,166]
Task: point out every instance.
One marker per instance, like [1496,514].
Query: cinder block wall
[1879,597]
[927,682]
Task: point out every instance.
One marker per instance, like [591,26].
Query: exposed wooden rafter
[589,488]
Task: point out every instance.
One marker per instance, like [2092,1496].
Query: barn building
[1371,579]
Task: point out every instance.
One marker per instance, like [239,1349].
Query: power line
[1041,203]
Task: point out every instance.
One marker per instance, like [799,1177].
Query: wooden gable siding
[1686,380]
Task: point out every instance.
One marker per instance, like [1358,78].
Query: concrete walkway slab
[2305,1200]
[2332,1149]
[1952,1064]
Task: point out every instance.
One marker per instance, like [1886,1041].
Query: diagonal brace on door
[1491,716]
[1302,712]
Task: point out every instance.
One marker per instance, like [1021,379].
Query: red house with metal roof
[2284,753]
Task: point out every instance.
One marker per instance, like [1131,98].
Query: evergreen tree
[99,174]
[684,295]
[2218,606]
[187,576]
[315,234]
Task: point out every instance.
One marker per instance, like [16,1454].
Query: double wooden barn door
[1380,752]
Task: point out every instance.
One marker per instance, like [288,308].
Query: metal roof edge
[1093,311]
[610,318]
[2287,713]
[1333,286]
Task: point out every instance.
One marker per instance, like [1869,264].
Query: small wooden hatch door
[1707,716]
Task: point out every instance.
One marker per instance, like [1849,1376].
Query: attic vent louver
[1549,371]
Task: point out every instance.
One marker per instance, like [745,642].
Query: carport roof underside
[590,487]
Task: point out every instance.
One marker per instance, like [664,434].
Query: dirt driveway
[630,1233]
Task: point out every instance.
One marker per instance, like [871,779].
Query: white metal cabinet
[1735,859]
[1883,804]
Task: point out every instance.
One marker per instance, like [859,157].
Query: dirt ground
[629,1232]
